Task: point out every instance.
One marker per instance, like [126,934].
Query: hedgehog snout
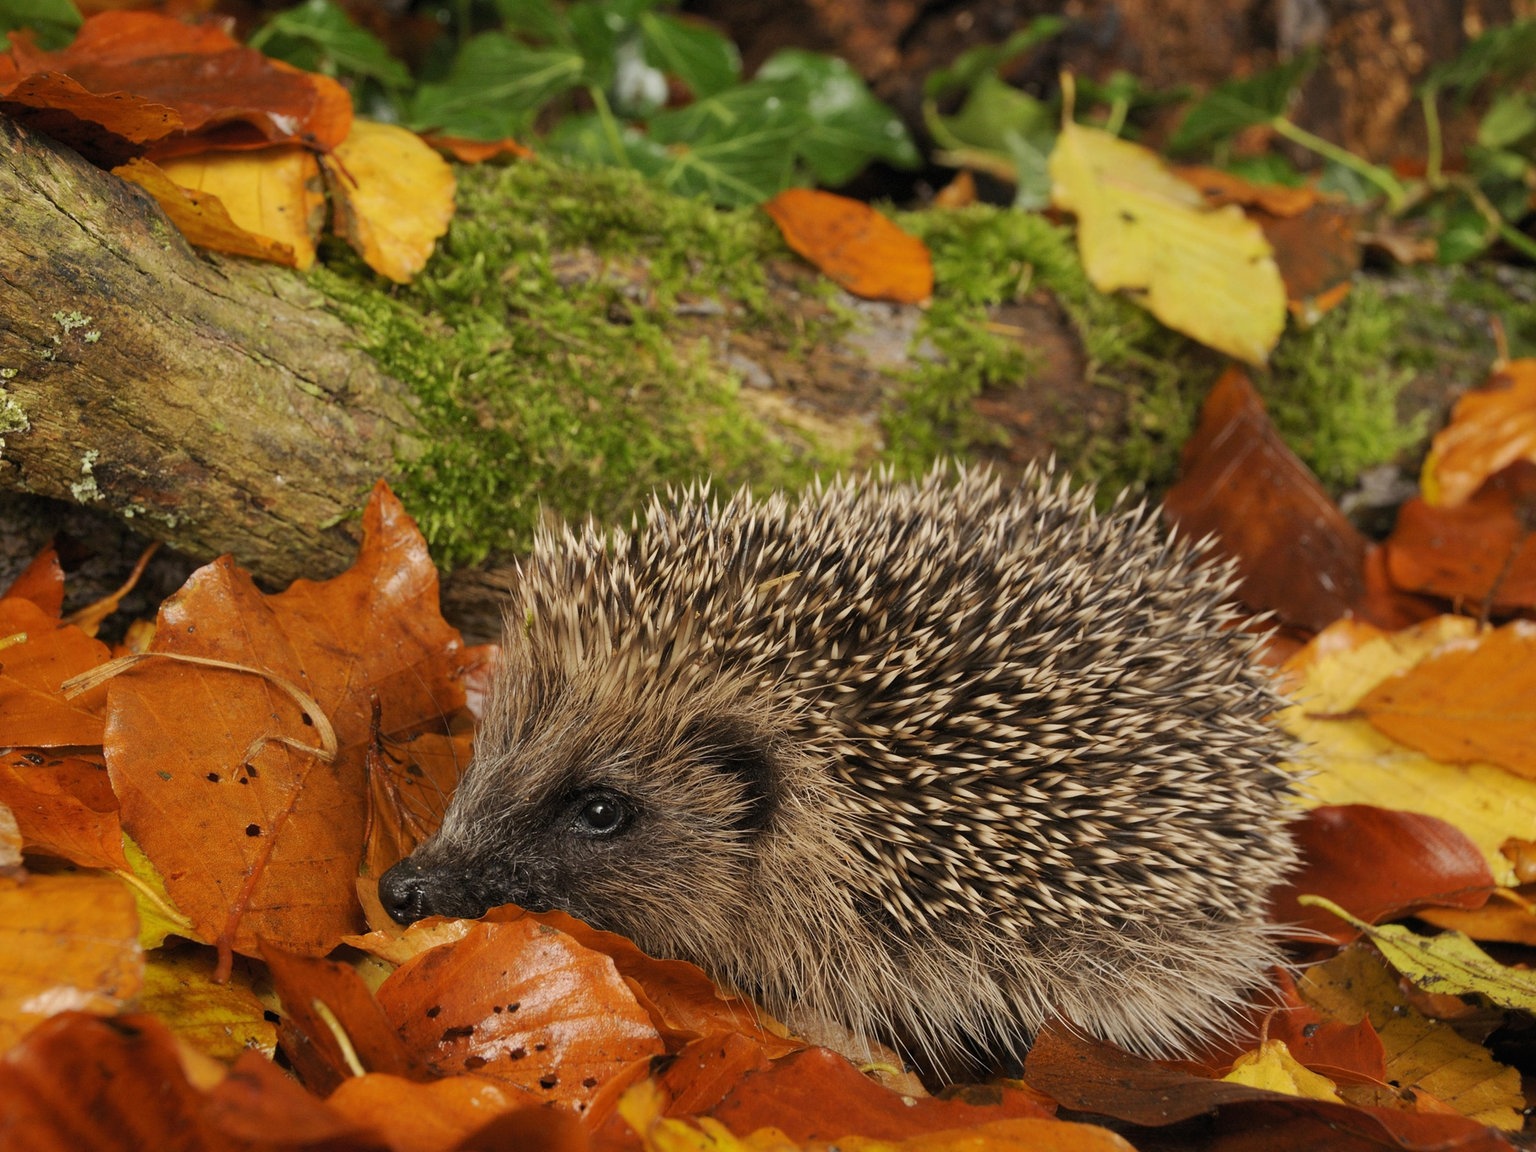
[416,888]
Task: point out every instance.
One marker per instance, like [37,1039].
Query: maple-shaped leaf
[219,771]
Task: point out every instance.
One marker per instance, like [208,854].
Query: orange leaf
[41,582]
[1490,429]
[256,836]
[1469,701]
[64,807]
[201,216]
[522,1004]
[1480,551]
[66,942]
[40,656]
[467,151]
[854,245]
[135,78]
[393,197]
[435,1117]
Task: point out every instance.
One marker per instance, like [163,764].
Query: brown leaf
[66,942]
[131,79]
[436,1117]
[1379,864]
[38,656]
[854,245]
[1482,551]
[256,837]
[816,1095]
[524,1005]
[64,807]
[1468,701]
[1090,1076]
[1349,1053]
[1297,555]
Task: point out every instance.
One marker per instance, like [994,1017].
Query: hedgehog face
[626,807]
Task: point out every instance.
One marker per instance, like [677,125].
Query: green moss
[544,349]
[1333,393]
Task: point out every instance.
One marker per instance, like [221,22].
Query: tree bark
[214,404]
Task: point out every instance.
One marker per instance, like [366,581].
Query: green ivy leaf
[537,19]
[1507,50]
[969,67]
[495,88]
[1510,119]
[53,22]
[847,126]
[736,147]
[319,36]
[1000,128]
[588,138]
[700,57]
[1242,104]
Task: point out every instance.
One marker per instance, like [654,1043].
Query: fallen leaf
[1472,699]
[1271,1066]
[853,244]
[1210,274]
[67,943]
[1490,428]
[467,151]
[64,807]
[201,216]
[133,79]
[273,195]
[255,834]
[393,197]
[431,1117]
[522,1004]
[1480,552]
[39,654]
[1380,863]
[220,1020]
[1351,762]
[1297,555]
[42,582]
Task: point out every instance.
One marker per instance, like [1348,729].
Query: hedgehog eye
[601,814]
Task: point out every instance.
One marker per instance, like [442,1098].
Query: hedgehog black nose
[403,890]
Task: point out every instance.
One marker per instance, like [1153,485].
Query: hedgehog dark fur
[931,762]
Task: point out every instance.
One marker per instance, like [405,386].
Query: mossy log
[215,404]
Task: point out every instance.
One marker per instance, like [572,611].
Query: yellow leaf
[158,915]
[393,197]
[1445,964]
[1272,1067]
[641,1106]
[1428,1060]
[1353,763]
[1210,274]
[272,192]
[219,1020]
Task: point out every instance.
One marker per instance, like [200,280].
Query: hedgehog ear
[736,750]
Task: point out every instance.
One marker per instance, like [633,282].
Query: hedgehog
[929,762]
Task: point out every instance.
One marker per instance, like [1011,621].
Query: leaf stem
[609,122]
[1433,175]
[1396,194]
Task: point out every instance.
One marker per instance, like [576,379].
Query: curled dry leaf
[522,1004]
[254,836]
[855,245]
[67,942]
[1489,429]
[393,197]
